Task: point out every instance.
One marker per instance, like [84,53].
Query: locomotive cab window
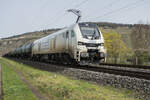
[63,35]
[72,33]
[67,34]
[89,31]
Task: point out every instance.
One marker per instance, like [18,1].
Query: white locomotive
[81,42]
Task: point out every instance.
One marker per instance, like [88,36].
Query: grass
[13,87]
[58,87]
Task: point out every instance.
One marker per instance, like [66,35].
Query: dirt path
[1,83]
[38,95]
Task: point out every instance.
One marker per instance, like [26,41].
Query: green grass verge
[13,87]
[58,87]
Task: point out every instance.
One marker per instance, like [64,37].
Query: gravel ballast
[139,85]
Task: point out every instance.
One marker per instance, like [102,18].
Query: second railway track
[117,71]
[127,66]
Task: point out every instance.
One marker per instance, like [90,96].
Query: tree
[116,48]
[140,38]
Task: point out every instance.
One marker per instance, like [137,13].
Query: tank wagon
[79,43]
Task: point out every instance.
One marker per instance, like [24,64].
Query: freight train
[80,43]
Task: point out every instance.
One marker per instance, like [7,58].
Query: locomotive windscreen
[89,31]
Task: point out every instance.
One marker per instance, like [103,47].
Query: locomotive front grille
[91,45]
[93,50]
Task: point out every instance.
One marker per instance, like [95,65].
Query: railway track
[135,72]
[117,71]
[127,65]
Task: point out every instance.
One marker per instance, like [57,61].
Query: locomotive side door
[73,40]
[67,41]
[70,41]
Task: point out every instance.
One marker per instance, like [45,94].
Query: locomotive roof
[88,24]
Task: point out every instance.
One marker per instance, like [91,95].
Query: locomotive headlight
[81,43]
[102,55]
[101,44]
[84,54]
[82,46]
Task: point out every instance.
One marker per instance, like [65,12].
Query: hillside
[10,43]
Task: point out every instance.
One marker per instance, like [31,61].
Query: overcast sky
[20,16]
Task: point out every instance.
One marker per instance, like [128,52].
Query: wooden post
[136,61]
[0,82]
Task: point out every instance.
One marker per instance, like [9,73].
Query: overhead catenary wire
[129,19]
[80,4]
[119,9]
[60,14]
[127,11]
[56,15]
[106,6]
[110,4]
[58,18]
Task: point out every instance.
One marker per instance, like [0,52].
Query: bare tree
[140,36]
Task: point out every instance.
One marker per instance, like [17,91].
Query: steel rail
[130,73]
[127,65]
